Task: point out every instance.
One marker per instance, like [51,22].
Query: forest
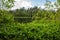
[29,24]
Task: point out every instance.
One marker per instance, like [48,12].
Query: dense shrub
[36,30]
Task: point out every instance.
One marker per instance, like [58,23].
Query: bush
[42,30]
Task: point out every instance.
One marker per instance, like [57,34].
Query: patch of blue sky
[40,2]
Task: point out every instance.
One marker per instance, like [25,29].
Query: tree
[51,6]
[5,4]
[5,16]
[58,1]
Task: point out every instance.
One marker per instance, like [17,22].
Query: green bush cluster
[36,30]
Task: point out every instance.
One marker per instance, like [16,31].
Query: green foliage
[36,30]
[34,14]
[58,1]
[6,15]
[5,4]
[30,24]
[5,18]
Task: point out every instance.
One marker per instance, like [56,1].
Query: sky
[29,3]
